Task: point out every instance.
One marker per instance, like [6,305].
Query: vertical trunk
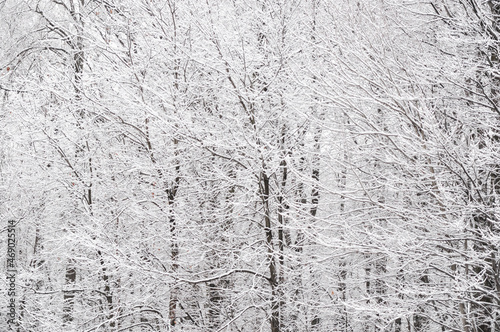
[107,291]
[400,278]
[282,210]
[109,306]
[264,190]
[218,298]
[342,274]
[486,303]
[174,246]
[282,206]
[172,190]
[78,66]
[315,173]
[315,194]
[174,252]
[215,300]
[344,323]
[420,321]
[69,295]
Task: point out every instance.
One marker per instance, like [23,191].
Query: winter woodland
[250,165]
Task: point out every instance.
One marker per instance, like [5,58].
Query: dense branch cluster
[251,165]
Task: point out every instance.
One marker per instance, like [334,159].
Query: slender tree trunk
[174,245]
[273,275]
[78,63]
[282,209]
[69,295]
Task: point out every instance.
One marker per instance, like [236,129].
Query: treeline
[252,165]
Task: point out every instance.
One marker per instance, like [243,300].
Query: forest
[250,165]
